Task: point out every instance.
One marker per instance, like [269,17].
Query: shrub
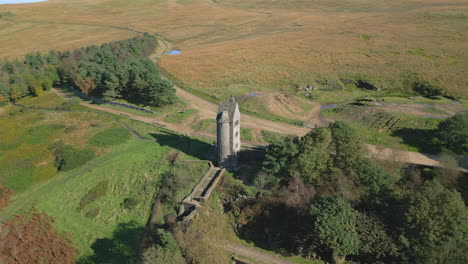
[427,89]
[453,133]
[68,157]
[165,249]
[92,213]
[69,104]
[95,193]
[110,137]
[129,203]
[180,116]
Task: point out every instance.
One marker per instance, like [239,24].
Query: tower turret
[223,146]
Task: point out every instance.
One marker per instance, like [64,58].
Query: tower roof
[229,107]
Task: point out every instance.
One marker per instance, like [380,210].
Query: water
[174,52]
[254,94]
[6,2]
[328,106]
[434,117]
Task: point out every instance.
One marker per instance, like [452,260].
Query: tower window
[237,134]
[237,145]
[237,123]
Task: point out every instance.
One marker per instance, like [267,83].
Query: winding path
[208,110]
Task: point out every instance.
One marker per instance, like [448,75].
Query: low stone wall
[102,101]
[207,192]
[189,207]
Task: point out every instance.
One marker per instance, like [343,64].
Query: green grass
[110,137]
[206,125]
[46,100]
[132,169]
[411,132]
[39,134]
[180,116]
[246,134]
[77,198]
[270,137]
[67,157]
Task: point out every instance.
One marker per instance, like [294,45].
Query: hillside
[240,46]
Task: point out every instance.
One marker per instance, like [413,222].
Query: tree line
[116,70]
[329,201]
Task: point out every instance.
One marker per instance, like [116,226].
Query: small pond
[328,106]
[6,2]
[254,94]
[174,52]
[434,117]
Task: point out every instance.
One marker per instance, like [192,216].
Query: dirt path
[208,110]
[252,253]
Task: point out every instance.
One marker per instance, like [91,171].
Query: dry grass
[233,46]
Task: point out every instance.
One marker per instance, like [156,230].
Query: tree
[334,226]
[261,180]
[278,155]
[165,249]
[373,179]
[453,133]
[161,92]
[436,220]
[314,155]
[347,146]
[297,194]
[376,244]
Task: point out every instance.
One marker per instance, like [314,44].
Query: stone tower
[228,134]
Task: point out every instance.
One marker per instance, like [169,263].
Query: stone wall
[200,194]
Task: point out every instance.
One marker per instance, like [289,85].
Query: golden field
[238,46]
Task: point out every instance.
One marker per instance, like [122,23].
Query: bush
[180,116]
[110,137]
[427,89]
[92,213]
[165,249]
[95,193]
[68,157]
[129,203]
[453,133]
[69,104]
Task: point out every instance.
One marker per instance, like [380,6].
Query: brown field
[234,47]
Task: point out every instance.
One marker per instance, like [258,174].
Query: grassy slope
[133,170]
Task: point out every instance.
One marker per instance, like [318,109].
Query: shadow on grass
[422,139]
[122,247]
[188,145]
